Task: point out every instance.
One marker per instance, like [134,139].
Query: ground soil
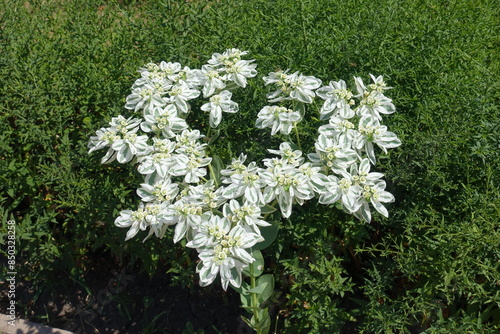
[109,299]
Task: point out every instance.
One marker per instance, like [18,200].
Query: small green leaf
[214,137]
[267,281]
[267,209]
[259,288]
[215,167]
[263,324]
[245,297]
[257,265]
[269,233]
[87,121]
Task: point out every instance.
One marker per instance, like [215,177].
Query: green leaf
[245,297]
[267,281]
[267,209]
[264,321]
[259,288]
[87,121]
[257,265]
[269,233]
[214,137]
[215,167]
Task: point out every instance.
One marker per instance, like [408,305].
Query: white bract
[180,94]
[288,154]
[223,250]
[165,121]
[245,182]
[212,80]
[371,132]
[294,86]
[331,153]
[286,183]
[221,212]
[247,215]
[372,101]
[152,215]
[338,100]
[161,191]
[342,130]
[278,119]
[376,195]
[219,103]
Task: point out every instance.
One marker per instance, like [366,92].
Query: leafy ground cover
[433,266]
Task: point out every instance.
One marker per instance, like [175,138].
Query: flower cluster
[349,139]
[224,222]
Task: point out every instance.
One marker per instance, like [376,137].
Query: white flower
[375,103]
[354,185]
[104,137]
[153,215]
[227,58]
[212,80]
[240,71]
[378,85]
[237,166]
[372,100]
[192,78]
[332,154]
[370,131]
[278,119]
[338,100]
[169,69]
[247,182]
[180,94]
[327,187]
[130,145]
[212,231]
[149,70]
[376,195]
[125,125]
[294,86]
[217,260]
[190,167]
[210,197]
[310,172]
[279,78]
[247,215]
[291,156]
[219,103]
[147,96]
[160,160]
[350,194]
[161,191]
[189,139]
[361,175]
[341,130]
[188,215]
[302,87]
[165,121]
[223,250]
[288,185]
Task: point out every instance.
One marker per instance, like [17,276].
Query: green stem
[212,174]
[208,132]
[297,137]
[303,21]
[255,300]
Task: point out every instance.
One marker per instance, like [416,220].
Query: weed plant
[433,266]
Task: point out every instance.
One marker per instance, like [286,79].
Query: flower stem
[297,137]
[255,300]
[212,175]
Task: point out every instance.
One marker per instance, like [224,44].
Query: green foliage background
[434,265]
